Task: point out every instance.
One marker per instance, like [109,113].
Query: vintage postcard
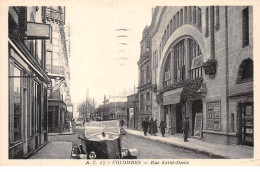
[129,83]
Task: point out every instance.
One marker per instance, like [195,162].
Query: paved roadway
[148,149]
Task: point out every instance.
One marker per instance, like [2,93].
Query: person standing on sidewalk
[186,129]
[145,126]
[162,127]
[155,127]
[122,122]
[151,127]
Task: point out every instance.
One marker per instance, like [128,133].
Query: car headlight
[124,153]
[92,155]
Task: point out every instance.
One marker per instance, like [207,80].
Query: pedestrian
[122,122]
[186,129]
[145,126]
[162,127]
[155,127]
[151,126]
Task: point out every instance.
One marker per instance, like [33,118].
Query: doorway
[246,124]
[196,108]
[178,118]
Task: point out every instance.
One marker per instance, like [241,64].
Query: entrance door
[178,118]
[247,121]
[196,108]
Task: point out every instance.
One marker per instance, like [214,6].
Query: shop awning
[172,97]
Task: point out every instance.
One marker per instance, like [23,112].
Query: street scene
[164,82]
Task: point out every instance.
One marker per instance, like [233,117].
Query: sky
[96,50]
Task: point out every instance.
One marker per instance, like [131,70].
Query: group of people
[151,127]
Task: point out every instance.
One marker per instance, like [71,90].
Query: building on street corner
[28,82]
[57,68]
[144,78]
[200,60]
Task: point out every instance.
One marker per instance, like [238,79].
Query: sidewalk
[213,149]
[64,133]
[54,150]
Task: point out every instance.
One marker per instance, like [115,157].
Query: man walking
[122,122]
[145,126]
[186,129]
[162,127]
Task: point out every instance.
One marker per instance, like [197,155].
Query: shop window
[17,105]
[245,27]
[39,52]
[246,71]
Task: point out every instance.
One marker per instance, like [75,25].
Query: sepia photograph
[132,83]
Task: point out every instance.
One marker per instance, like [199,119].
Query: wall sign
[213,116]
[198,125]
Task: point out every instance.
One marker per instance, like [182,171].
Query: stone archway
[244,53]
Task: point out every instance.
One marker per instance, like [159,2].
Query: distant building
[28,82]
[132,110]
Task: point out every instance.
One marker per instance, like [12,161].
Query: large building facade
[144,79]
[202,68]
[57,67]
[28,82]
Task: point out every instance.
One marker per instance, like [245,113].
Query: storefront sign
[198,125]
[172,97]
[38,31]
[213,116]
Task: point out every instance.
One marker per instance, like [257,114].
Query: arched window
[167,71]
[187,57]
[195,59]
[246,71]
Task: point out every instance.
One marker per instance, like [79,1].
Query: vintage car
[102,140]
